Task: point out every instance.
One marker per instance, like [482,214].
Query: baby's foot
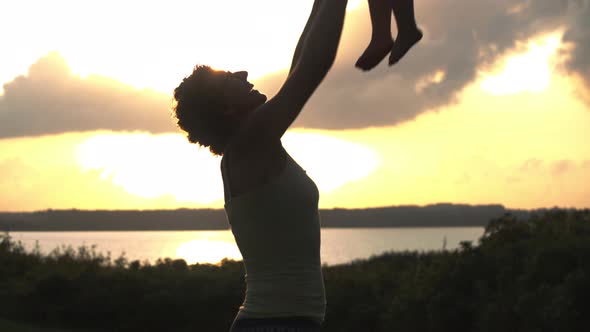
[404,41]
[375,52]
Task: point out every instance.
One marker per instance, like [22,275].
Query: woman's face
[241,98]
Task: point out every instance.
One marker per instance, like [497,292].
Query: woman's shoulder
[239,152]
[253,160]
[245,171]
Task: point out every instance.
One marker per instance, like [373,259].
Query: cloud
[548,182]
[50,100]
[28,186]
[555,168]
[578,35]
[565,166]
[461,37]
[562,166]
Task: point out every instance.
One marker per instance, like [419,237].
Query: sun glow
[154,44]
[525,72]
[152,166]
[209,247]
[355,4]
[331,162]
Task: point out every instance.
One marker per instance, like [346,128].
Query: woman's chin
[260,97]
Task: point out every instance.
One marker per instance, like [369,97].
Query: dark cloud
[50,100]
[461,36]
[578,34]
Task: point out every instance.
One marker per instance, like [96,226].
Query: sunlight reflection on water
[207,251]
[339,245]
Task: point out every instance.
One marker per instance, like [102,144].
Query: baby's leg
[381,41]
[408,33]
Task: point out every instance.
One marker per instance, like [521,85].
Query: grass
[9,326]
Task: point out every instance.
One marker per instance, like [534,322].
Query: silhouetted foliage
[523,275]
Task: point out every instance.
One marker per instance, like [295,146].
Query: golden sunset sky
[493,106]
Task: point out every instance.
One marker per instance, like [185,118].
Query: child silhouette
[382,43]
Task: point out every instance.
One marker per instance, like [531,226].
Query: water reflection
[207,251]
[338,245]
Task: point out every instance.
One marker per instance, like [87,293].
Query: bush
[522,275]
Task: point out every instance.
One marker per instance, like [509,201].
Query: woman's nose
[241,75]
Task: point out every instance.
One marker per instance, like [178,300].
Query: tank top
[277,229]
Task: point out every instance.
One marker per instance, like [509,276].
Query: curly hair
[199,109]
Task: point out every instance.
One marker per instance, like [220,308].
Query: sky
[491,107]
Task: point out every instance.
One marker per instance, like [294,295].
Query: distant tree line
[523,275]
[436,215]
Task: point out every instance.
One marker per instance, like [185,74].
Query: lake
[339,245]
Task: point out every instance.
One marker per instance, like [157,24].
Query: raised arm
[316,56]
[303,37]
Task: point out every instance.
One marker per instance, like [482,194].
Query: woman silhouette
[270,202]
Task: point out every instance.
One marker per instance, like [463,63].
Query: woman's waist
[264,279]
[299,282]
[285,296]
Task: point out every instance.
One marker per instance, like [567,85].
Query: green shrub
[523,275]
